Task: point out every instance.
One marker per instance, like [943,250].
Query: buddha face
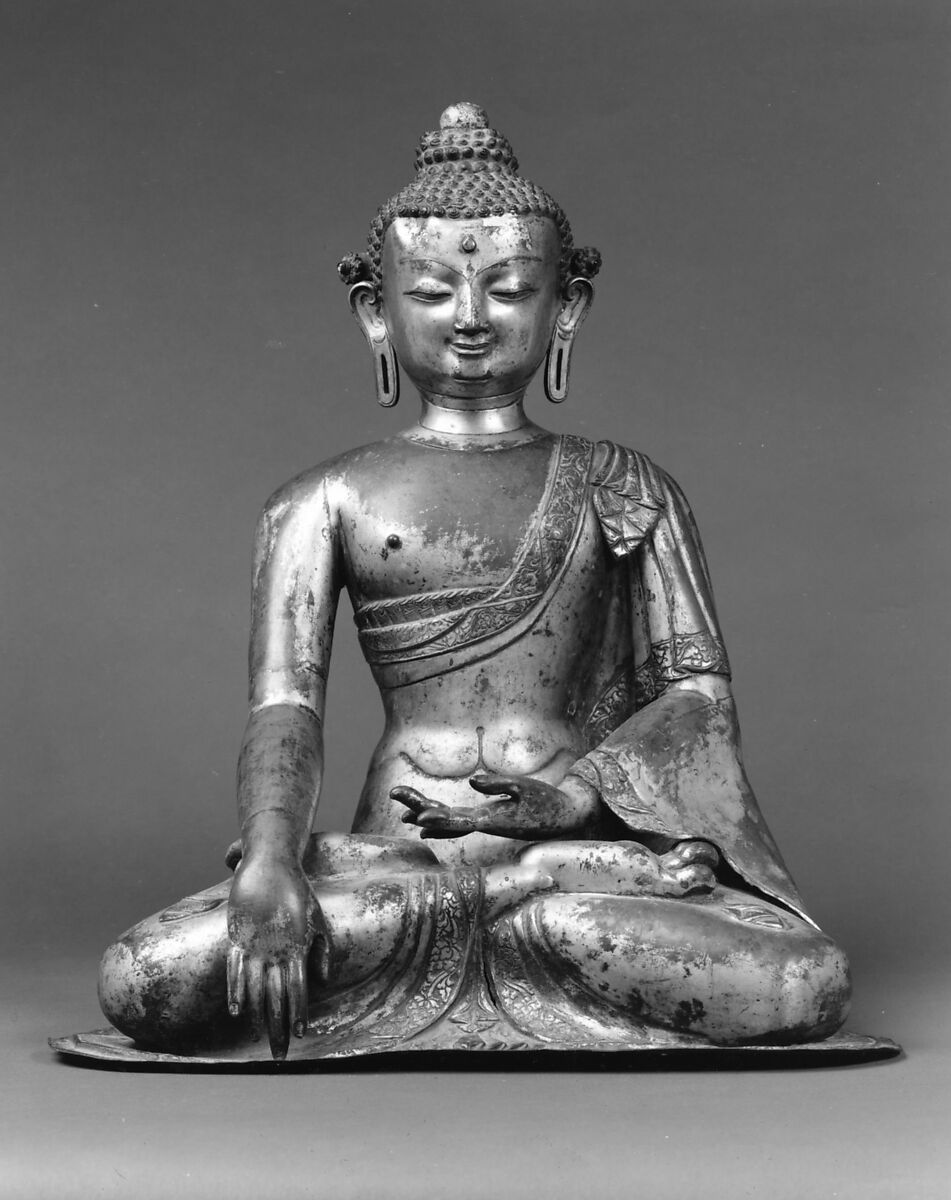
[469,305]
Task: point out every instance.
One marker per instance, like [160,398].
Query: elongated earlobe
[387,372]
[578,296]
[366,309]
[556,367]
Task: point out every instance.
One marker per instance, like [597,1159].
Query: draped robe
[665,761]
[679,773]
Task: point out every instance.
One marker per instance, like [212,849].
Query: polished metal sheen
[556,847]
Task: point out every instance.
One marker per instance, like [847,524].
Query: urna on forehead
[467,171]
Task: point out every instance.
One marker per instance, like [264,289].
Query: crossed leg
[163,983]
[694,956]
[652,937]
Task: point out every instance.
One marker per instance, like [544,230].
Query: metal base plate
[108,1047]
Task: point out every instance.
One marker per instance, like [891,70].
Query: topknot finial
[466,114]
[463,143]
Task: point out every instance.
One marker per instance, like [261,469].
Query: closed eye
[511,295]
[428,296]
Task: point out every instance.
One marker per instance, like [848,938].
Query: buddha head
[471,276]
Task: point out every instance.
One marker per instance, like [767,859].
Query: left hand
[431,817]
[528,808]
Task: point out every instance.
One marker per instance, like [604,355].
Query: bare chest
[437,521]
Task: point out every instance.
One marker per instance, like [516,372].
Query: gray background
[769,185]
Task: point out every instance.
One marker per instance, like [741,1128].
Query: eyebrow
[423,264]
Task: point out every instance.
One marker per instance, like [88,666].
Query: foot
[689,868]
[626,868]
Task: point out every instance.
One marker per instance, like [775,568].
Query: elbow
[282,705]
[283,722]
[302,688]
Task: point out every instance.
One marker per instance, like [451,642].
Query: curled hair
[354,268]
[466,170]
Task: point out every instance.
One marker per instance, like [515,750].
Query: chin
[480,378]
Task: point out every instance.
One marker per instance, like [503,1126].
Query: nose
[470,316]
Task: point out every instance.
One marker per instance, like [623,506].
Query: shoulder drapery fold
[666,761]
[675,769]
[661,585]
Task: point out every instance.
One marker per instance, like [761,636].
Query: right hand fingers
[278,1033]
[275,997]
[297,996]
[254,984]
[236,981]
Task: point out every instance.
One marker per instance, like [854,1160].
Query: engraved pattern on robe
[418,637]
[669,763]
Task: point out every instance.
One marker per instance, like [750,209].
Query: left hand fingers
[414,801]
[445,824]
[444,831]
[431,816]
[498,785]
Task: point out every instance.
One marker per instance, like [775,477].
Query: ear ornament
[364,304]
[578,293]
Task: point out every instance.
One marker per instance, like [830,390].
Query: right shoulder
[326,487]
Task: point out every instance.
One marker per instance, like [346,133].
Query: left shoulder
[631,495]
[629,473]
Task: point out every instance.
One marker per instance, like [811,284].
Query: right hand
[273,920]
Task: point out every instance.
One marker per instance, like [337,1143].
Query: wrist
[583,797]
[271,834]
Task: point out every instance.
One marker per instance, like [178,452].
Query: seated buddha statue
[556,846]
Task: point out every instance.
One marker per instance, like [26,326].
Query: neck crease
[482,422]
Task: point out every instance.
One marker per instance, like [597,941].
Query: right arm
[273,916]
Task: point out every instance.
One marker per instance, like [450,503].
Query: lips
[470,349]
